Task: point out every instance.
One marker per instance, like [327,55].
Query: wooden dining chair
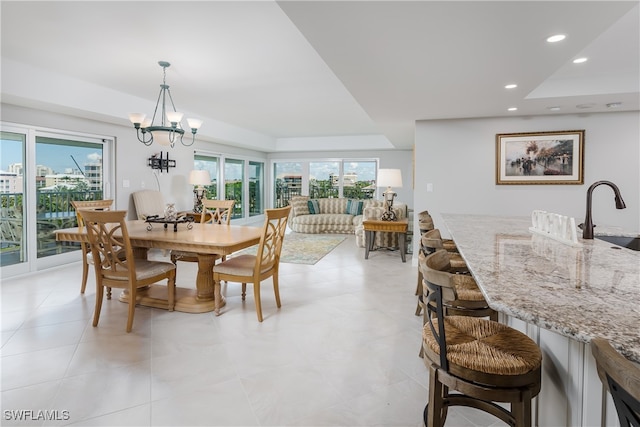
[213,212]
[109,240]
[621,378]
[87,257]
[256,268]
[484,362]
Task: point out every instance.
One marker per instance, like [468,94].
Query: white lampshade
[389,178]
[194,123]
[174,116]
[199,177]
[137,117]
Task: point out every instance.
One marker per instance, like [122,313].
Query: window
[42,172]
[324,179]
[287,182]
[66,170]
[256,188]
[358,179]
[12,189]
[233,184]
[210,164]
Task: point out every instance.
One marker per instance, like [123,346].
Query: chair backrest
[148,202]
[275,225]
[622,378]
[98,205]
[217,211]
[431,241]
[109,240]
[440,288]
[425,221]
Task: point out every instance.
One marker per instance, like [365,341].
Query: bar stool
[430,242]
[483,361]
[465,298]
[621,378]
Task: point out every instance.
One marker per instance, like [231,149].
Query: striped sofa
[333,218]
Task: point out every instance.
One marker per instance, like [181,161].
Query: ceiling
[316,75]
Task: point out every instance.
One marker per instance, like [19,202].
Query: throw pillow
[299,205]
[354,207]
[314,207]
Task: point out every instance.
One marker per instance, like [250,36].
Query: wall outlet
[142,184]
[125,183]
[429,187]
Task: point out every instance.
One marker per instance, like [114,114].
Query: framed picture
[540,157]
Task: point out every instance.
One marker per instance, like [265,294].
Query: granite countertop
[579,292]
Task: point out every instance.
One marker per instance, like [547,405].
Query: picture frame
[540,157]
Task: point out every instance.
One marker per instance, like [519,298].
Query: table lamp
[389,178]
[199,178]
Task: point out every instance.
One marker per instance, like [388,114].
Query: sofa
[341,215]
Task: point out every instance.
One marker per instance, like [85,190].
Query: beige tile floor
[342,351]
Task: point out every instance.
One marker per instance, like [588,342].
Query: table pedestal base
[187,300]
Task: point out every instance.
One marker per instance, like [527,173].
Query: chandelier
[169,129]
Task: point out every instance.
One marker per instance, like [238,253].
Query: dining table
[208,241]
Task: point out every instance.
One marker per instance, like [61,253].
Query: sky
[57,157]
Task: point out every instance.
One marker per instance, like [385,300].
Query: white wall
[131,156]
[393,159]
[459,158]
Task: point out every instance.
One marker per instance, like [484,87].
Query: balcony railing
[54,211]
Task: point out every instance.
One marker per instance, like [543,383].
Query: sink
[628,242]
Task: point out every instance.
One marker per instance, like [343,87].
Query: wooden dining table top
[217,239]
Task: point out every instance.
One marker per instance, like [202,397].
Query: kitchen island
[560,295]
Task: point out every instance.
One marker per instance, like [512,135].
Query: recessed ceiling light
[614,104]
[555,108]
[512,109]
[579,60]
[556,38]
[585,106]
[511,86]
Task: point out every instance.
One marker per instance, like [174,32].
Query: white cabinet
[571,394]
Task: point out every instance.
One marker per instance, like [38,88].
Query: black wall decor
[158,162]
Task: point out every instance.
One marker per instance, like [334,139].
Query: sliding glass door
[42,172]
[12,207]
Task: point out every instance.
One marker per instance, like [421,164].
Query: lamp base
[197,201]
[389,215]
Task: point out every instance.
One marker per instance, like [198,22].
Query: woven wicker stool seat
[486,347]
[483,361]
[467,291]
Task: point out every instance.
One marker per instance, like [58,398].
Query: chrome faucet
[587,226]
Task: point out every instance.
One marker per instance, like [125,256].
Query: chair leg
[96,312]
[256,297]
[244,291]
[132,307]
[276,289]
[419,292]
[217,295]
[436,390]
[85,276]
[171,285]
[521,411]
